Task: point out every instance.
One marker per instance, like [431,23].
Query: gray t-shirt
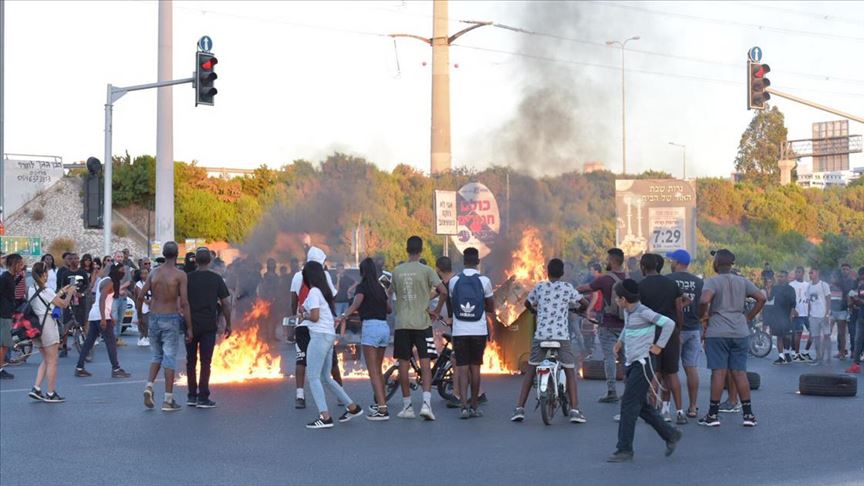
[639,331]
[726,317]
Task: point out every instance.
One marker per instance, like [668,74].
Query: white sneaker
[406,413]
[146,341]
[426,412]
[141,342]
[667,416]
[617,417]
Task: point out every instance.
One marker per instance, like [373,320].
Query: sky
[300,80]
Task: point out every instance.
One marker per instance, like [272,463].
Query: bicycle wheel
[391,382]
[562,399]
[760,344]
[445,386]
[78,339]
[548,404]
[20,352]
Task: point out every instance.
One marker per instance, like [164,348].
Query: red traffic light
[760,70]
[209,63]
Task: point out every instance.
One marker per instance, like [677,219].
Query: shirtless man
[168,285]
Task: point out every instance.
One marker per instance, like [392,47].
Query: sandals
[693,414]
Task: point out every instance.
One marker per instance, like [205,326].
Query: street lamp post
[623,45]
[683,159]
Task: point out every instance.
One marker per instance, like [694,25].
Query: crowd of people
[652,323]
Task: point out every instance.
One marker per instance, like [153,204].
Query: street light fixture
[684,159]
[622,45]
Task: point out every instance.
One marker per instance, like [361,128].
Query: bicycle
[442,374]
[22,347]
[75,330]
[551,383]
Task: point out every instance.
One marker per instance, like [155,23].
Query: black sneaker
[673,442]
[5,375]
[780,361]
[205,403]
[620,456]
[36,394]
[320,423]
[120,373]
[378,414]
[709,421]
[64,353]
[148,397]
[482,398]
[475,412]
[788,358]
[518,414]
[82,373]
[610,397]
[749,420]
[348,415]
[806,358]
[300,403]
[454,403]
[191,401]
[53,397]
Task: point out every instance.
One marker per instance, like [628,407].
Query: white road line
[124,382]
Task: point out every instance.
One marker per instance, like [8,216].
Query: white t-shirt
[297,282]
[467,328]
[145,309]
[325,323]
[52,279]
[38,306]
[817,293]
[94,309]
[802,302]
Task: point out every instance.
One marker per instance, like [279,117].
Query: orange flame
[243,356]
[493,362]
[528,268]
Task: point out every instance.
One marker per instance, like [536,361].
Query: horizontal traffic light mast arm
[814,105]
[117,92]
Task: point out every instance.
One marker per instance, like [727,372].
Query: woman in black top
[371,301]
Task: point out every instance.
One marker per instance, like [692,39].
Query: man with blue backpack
[471,306]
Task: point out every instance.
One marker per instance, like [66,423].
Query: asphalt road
[104,435]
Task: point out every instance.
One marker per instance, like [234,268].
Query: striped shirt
[638,333]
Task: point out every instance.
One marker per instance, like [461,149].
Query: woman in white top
[42,300]
[48,259]
[317,315]
[140,276]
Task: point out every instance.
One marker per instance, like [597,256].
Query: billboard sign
[24,179]
[446,221]
[478,218]
[655,216]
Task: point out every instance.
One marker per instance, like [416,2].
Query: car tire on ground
[828,384]
[753,378]
[593,369]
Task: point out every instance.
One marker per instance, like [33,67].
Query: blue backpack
[468,298]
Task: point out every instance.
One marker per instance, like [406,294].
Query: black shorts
[405,339]
[468,350]
[301,344]
[671,355]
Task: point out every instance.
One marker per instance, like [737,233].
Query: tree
[759,149]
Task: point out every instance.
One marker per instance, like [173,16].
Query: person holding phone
[43,300]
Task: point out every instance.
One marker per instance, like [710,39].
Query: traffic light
[205,76]
[756,84]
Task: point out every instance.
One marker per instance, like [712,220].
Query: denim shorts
[375,333]
[691,348]
[800,323]
[727,353]
[165,338]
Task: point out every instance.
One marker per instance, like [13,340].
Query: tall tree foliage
[759,149]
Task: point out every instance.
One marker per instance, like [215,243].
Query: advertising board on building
[24,179]
[655,216]
[478,218]
[446,217]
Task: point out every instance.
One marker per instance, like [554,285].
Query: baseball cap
[680,255]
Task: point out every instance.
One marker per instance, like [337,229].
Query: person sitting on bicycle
[551,301]
[641,351]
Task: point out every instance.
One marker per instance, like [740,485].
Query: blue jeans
[118,308]
[608,338]
[93,331]
[319,360]
[165,338]
[858,345]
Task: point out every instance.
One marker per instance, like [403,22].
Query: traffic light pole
[814,105]
[114,93]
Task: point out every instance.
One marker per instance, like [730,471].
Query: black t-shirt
[374,304]
[691,287]
[7,295]
[778,307]
[659,293]
[64,273]
[205,288]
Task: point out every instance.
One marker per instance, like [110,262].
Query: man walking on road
[613,317]
[727,335]
[413,283]
[169,287]
[206,290]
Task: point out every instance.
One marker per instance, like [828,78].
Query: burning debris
[528,268]
[243,356]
